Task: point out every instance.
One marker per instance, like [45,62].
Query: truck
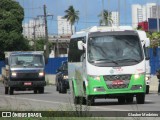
[24,70]
[108,62]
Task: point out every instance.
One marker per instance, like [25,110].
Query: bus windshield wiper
[105,60]
[128,59]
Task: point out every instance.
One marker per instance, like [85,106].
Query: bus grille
[111,79]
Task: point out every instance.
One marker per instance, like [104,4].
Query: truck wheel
[129,99]
[41,90]
[35,91]
[140,98]
[90,100]
[11,90]
[147,89]
[6,90]
[121,100]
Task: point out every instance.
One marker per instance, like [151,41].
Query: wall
[154,60]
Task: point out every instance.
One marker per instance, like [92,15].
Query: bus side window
[75,54]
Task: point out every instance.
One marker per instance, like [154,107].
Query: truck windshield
[115,49]
[27,60]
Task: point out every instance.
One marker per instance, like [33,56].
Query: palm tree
[105,18]
[71,16]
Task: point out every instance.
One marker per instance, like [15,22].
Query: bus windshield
[115,49]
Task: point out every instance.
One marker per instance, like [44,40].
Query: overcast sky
[88,9]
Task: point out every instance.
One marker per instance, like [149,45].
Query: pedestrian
[158,76]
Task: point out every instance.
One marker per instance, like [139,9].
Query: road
[52,100]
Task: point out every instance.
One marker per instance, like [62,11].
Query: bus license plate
[27,83]
[117,82]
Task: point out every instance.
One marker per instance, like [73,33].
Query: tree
[155,38]
[71,16]
[107,18]
[11,17]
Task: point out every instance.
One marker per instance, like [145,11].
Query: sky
[88,10]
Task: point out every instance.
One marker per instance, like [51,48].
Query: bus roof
[84,32]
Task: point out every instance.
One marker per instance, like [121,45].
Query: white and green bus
[108,62]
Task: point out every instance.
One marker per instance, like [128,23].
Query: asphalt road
[52,100]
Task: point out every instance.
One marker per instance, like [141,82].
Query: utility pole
[157,16]
[46,47]
[119,12]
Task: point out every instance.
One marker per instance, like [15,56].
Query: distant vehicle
[24,71]
[62,83]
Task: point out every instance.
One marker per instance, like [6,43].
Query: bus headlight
[137,76]
[65,77]
[13,74]
[95,77]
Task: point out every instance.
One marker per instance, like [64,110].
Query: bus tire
[90,100]
[121,100]
[76,100]
[147,89]
[140,98]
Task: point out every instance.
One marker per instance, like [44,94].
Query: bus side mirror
[81,45]
[147,42]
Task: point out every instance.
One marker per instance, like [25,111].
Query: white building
[115,18]
[34,28]
[141,13]
[64,27]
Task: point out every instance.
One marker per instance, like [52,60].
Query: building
[34,29]
[141,13]
[115,18]
[154,12]
[64,27]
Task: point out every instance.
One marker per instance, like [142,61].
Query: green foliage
[107,18]
[155,39]
[11,17]
[40,45]
[71,16]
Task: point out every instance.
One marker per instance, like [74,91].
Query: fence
[154,59]
[54,63]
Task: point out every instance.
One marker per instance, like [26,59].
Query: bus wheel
[76,100]
[121,100]
[129,99]
[90,100]
[140,98]
[147,89]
